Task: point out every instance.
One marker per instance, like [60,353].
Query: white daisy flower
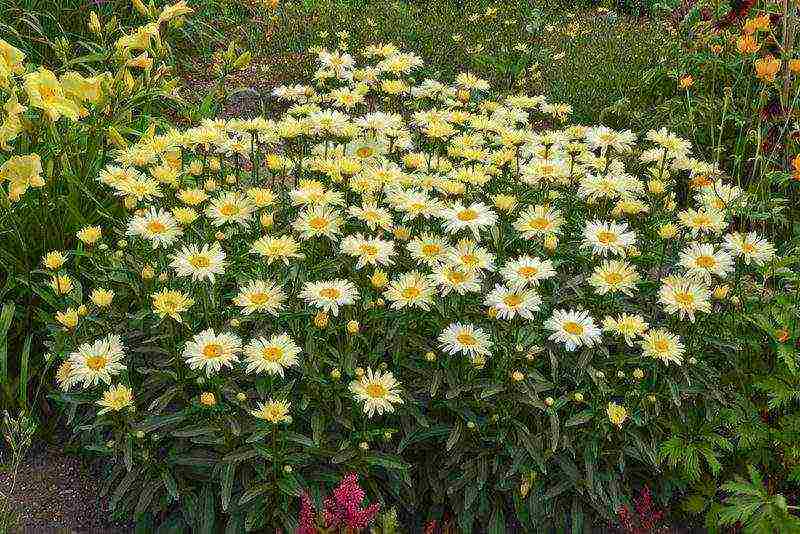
[701,261]
[157,226]
[750,247]
[260,296]
[526,270]
[605,237]
[201,263]
[465,339]
[379,392]
[512,302]
[97,362]
[230,207]
[210,352]
[475,217]
[663,345]
[271,355]
[328,295]
[369,251]
[574,328]
[412,289]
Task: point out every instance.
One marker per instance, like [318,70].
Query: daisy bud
[103,247]
[380,303]
[402,233]
[352,327]
[54,260]
[517,376]
[214,165]
[379,279]
[359,372]
[387,435]
[633,252]
[241,397]
[735,300]
[195,168]
[163,277]
[110,443]
[651,398]
[782,335]
[600,374]
[230,179]
[122,243]
[530,356]
[721,292]
[638,374]
[656,187]
[336,374]
[667,231]
[430,356]
[492,313]
[287,469]
[267,219]
[208,399]
[550,243]
[129,202]
[463,95]
[139,434]
[470,425]
[692,360]
[479,361]
[83,311]
[549,401]
[321,319]
[235,323]
[578,397]
[148,273]
[620,374]
[552,195]
[364,446]
[89,235]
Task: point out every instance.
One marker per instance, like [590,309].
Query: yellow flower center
[571,327]
[199,261]
[330,293]
[431,249]
[229,210]
[272,354]
[701,220]
[467,215]
[365,152]
[317,223]
[540,223]
[368,250]
[527,272]
[467,339]
[411,292]
[376,391]
[706,262]
[513,300]
[613,278]
[457,277]
[684,297]
[469,259]
[212,350]
[95,363]
[156,227]
[606,237]
[661,345]
[259,298]
[748,248]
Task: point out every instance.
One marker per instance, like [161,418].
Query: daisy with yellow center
[319,221]
[192,197]
[157,226]
[538,222]
[61,284]
[663,345]
[616,414]
[89,235]
[750,247]
[573,328]
[67,318]
[369,251]
[508,303]
[456,278]
[200,262]
[412,289]
[429,249]
[526,270]
[273,411]
[98,361]
[312,193]
[54,260]
[230,208]
[466,339]
[626,325]
[470,256]
[280,248]
[260,296]
[703,221]
[377,391]
[701,261]
[171,303]
[614,276]
[101,297]
[372,215]
[115,399]
[271,355]
[261,197]
[330,294]
[605,237]
[210,352]
[475,217]
[684,297]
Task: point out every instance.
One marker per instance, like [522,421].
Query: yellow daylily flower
[45,93]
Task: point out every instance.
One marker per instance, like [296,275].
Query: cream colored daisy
[230,207]
[373,215]
[605,237]
[614,276]
[574,328]
[626,325]
[538,221]
[455,278]
[750,247]
[281,248]
[210,352]
[475,217]
[684,297]
[273,411]
[703,221]
[465,339]
[372,251]
[171,303]
[429,249]
[526,270]
[470,256]
[701,261]
[319,221]
[663,345]
[378,392]
[115,399]
[271,355]
[328,295]
[98,361]
[260,296]
[412,289]
[157,226]
[512,302]
[201,263]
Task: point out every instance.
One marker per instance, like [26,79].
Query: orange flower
[686,81]
[755,24]
[796,167]
[747,44]
[767,68]
[794,65]
[782,335]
